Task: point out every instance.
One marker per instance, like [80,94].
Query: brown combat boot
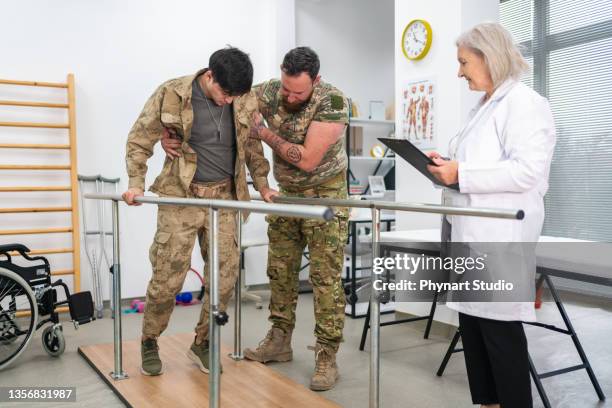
[276,346]
[326,371]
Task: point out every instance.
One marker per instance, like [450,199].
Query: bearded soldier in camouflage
[209,116]
[307,119]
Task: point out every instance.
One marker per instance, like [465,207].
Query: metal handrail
[288,206]
[217,317]
[411,207]
[307,211]
[376,207]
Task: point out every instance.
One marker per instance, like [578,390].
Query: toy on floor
[186,299]
[137,306]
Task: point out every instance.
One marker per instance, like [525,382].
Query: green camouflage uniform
[178,226]
[289,236]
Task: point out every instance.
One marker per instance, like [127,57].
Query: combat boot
[198,353]
[326,371]
[151,363]
[276,346]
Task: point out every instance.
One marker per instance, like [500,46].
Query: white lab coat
[504,153]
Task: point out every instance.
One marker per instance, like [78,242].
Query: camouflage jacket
[170,107]
[327,104]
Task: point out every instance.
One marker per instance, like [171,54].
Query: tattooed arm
[319,138]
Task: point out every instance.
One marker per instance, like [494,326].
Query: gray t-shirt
[216,153]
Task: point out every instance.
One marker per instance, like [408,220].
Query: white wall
[120,52]
[453,98]
[354,40]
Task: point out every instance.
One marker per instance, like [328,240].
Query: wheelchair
[27,295]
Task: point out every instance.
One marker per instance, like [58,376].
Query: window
[570,50]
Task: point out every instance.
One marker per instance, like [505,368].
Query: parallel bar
[44,251]
[36,231]
[36,125]
[214,330]
[313,211]
[310,211]
[237,354]
[33,83]
[34,104]
[33,146]
[412,207]
[34,167]
[34,210]
[118,374]
[34,188]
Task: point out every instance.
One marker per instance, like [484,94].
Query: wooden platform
[243,383]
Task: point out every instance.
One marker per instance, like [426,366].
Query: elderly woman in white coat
[500,159]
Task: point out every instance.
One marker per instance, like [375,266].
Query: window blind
[570,49]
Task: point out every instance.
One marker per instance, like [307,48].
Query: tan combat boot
[326,371]
[276,346]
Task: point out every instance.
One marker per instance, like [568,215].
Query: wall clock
[416,39]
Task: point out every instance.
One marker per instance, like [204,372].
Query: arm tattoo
[294,155]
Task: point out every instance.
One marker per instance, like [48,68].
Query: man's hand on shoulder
[257,126]
[131,194]
[171,144]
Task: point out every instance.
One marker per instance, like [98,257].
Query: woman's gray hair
[502,57]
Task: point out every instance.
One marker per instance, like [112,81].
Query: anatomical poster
[418,108]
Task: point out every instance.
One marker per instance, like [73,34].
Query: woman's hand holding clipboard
[432,165]
[443,169]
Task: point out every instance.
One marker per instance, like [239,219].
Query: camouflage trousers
[170,255]
[288,237]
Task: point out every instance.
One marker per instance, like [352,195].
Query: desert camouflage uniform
[289,236]
[177,226]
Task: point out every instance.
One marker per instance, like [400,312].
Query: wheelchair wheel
[18,316]
[53,340]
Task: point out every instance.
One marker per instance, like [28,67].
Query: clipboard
[415,157]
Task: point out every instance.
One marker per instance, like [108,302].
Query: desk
[583,261]
[358,216]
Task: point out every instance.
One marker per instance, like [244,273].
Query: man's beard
[296,106]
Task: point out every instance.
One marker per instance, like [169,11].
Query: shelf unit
[366,123]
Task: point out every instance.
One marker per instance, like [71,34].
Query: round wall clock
[416,39]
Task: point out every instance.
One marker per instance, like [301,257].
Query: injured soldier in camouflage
[209,115]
